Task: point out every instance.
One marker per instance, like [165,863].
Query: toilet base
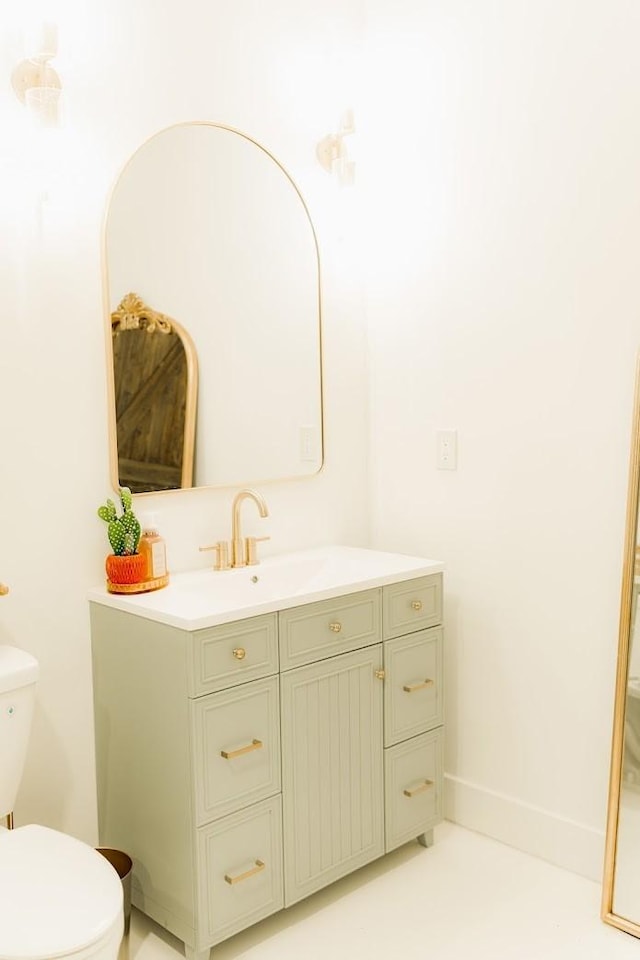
[63,899]
[107,948]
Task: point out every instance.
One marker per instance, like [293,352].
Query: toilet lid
[57,895]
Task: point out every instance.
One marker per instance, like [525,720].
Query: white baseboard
[541,833]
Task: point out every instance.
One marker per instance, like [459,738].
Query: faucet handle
[251,551]
[222,554]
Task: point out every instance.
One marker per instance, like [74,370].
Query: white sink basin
[204,598]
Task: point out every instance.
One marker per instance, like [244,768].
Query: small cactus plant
[123,531]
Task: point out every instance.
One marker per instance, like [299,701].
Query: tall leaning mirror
[621,887]
[212,296]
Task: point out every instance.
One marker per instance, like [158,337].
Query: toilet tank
[18,675]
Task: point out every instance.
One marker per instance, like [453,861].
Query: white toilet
[59,898]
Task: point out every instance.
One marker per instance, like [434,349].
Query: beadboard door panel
[332,769]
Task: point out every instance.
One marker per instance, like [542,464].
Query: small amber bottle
[153,548]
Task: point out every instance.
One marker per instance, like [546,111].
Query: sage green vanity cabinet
[246,765]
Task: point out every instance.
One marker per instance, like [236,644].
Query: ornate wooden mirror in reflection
[621,888]
[155,390]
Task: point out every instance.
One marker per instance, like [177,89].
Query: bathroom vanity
[262,732]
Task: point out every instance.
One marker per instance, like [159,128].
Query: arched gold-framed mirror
[207,226]
[621,883]
[154,384]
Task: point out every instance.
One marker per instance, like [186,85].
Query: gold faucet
[243,552]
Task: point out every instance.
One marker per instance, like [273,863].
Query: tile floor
[465,898]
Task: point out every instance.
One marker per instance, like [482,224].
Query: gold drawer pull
[414,791]
[412,687]
[380,674]
[416,604]
[335,627]
[239,653]
[4,590]
[240,752]
[248,873]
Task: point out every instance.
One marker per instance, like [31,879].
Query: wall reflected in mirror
[209,231]
[626,900]
[621,885]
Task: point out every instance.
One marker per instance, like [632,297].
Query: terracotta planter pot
[126,569]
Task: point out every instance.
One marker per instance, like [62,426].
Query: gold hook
[4,590]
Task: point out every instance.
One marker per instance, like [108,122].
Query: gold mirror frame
[107,312]
[622,671]
[133,313]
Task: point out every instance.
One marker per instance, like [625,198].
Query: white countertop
[206,597]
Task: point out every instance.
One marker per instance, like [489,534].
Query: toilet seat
[58,896]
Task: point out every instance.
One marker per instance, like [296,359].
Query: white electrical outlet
[447,449]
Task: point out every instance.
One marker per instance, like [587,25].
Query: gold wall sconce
[35,82]
[332,152]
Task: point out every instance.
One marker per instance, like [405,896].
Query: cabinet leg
[193,954]
[426,839]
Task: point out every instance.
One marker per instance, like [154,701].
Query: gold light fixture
[333,154]
[35,82]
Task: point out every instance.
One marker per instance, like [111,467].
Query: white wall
[504,138]
[281,73]
[499,149]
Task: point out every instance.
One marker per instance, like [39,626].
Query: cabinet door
[332,769]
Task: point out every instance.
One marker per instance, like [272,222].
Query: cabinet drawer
[239,871]
[413,788]
[319,630]
[236,747]
[412,605]
[413,685]
[233,653]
